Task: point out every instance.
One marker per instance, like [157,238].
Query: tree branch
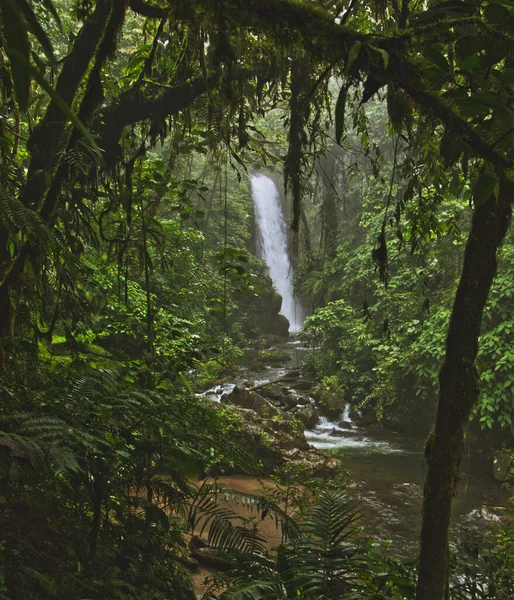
[138,104]
[152,11]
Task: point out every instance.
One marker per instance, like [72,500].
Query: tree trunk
[458,389]
[329,217]
[6,325]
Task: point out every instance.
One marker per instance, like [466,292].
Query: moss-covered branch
[150,101]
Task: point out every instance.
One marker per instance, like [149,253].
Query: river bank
[386,469]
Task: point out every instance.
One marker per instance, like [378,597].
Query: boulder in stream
[277,434]
[345,425]
[307,415]
[319,465]
[272,392]
[291,376]
[291,400]
[331,401]
[336,433]
[279,325]
[247,399]
[302,384]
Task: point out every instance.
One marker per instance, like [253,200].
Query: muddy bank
[386,468]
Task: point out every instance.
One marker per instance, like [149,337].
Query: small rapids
[215,393]
[330,435]
[387,472]
[386,469]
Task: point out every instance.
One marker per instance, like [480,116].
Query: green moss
[273,356]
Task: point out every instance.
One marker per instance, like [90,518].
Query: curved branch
[404,74]
[323,39]
[146,9]
[138,104]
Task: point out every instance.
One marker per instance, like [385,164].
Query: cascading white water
[272,230]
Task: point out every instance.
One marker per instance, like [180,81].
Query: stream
[386,469]
[387,472]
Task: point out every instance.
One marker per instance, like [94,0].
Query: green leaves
[450,148]
[384,56]
[437,58]
[468,46]
[497,14]
[485,186]
[353,55]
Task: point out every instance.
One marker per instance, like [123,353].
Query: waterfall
[273,243]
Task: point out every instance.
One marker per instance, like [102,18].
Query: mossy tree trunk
[458,389]
[329,217]
[6,325]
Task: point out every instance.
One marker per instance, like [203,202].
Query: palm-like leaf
[318,562]
[323,556]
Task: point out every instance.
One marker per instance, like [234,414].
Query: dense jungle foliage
[129,279]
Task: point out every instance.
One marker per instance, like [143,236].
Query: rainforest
[256,299]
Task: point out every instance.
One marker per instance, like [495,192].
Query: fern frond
[19,218]
[221,524]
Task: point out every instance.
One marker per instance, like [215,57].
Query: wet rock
[246,399]
[292,400]
[306,400]
[272,392]
[211,558]
[279,325]
[277,434]
[345,424]
[197,542]
[317,464]
[302,384]
[291,376]
[307,415]
[368,419]
[283,424]
[278,443]
[336,433]
[278,404]
[330,401]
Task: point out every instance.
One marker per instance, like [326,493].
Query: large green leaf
[497,14]
[450,148]
[484,187]
[437,58]
[467,46]
[353,55]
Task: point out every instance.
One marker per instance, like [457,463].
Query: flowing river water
[386,470]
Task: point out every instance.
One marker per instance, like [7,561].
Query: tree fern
[318,562]
[18,217]
[322,557]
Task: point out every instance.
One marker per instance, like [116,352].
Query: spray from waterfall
[273,244]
